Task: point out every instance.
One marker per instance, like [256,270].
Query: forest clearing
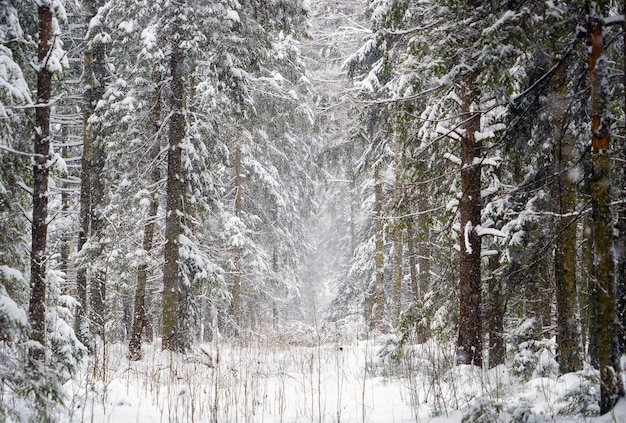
[270,380]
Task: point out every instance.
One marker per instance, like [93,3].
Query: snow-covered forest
[298,211]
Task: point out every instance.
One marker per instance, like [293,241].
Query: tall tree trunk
[601,214]
[469,343]
[412,259]
[237,302]
[37,306]
[171,288]
[82,322]
[568,336]
[66,240]
[91,189]
[378,300]
[620,249]
[398,244]
[97,286]
[140,316]
[589,304]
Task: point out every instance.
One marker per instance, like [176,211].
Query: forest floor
[270,380]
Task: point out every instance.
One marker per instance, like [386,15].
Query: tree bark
[37,305]
[601,214]
[568,335]
[97,286]
[171,288]
[469,343]
[589,303]
[378,308]
[398,244]
[423,245]
[140,316]
[237,302]
[495,314]
[91,190]
[620,249]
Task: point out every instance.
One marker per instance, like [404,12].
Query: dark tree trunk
[469,343]
[495,314]
[564,193]
[37,306]
[620,249]
[140,317]
[91,192]
[416,295]
[398,242]
[601,214]
[171,288]
[378,300]
[237,302]
[423,244]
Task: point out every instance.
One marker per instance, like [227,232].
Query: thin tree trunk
[495,314]
[82,322]
[378,308]
[275,269]
[171,288]
[66,245]
[601,214]
[398,244]
[423,245]
[97,283]
[568,336]
[91,190]
[620,281]
[237,303]
[37,306]
[413,275]
[140,316]
[469,343]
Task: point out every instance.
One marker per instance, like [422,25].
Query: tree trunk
[378,306]
[469,343]
[412,259]
[140,316]
[398,244]
[601,215]
[91,189]
[589,305]
[568,336]
[66,240]
[97,286]
[37,306]
[82,322]
[171,288]
[423,245]
[495,314]
[237,303]
[620,281]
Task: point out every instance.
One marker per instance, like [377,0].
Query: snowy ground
[269,381]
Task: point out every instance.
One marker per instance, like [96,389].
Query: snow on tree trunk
[91,188]
[398,244]
[378,301]
[37,306]
[171,288]
[469,342]
[236,302]
[140,316]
